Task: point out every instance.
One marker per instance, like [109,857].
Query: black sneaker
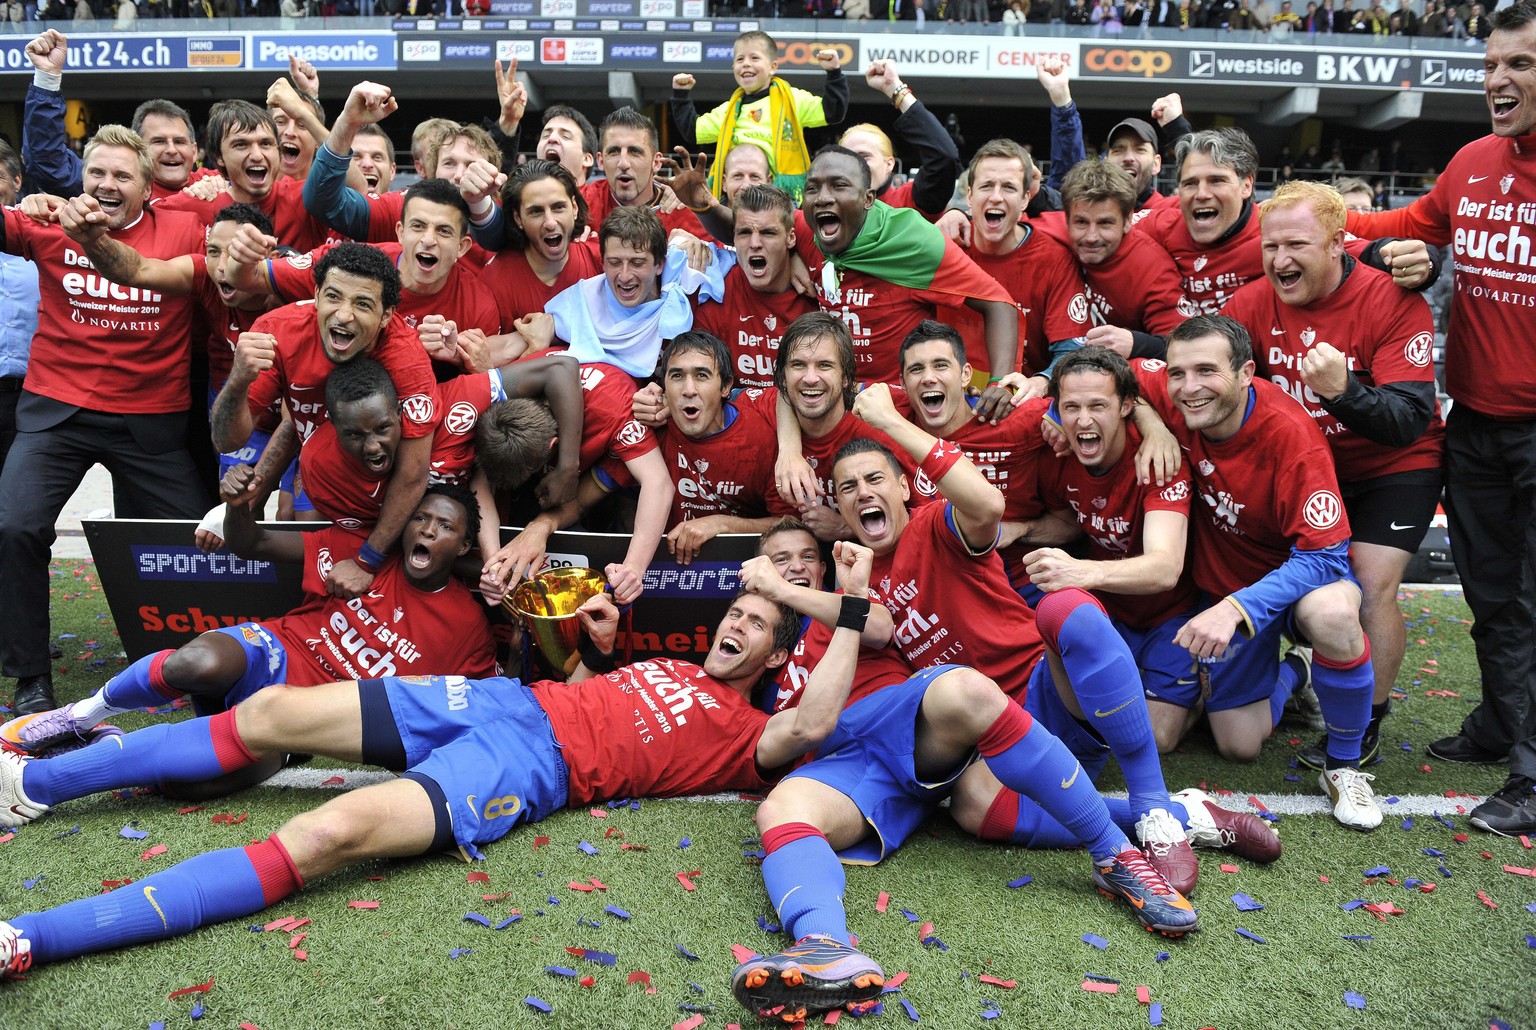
[1315,756]
[1461,748]
[1510,812]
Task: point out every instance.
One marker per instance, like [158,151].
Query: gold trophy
[546,606]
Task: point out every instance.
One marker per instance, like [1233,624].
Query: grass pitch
[1449,959]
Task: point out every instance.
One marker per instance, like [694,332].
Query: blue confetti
[554,900]
[509,921]
[1269,817]
[75,829]
[1246,904]
[690,956]
[1353,1000]
[602,958]
[1392,799]
[460,952]
[1434,852]
[71,636]
[1293,779]
[767,927]
[1378,870]
[1255,938]
[1410,883]
[620,803]
[634,806]
[535,1003]
[29,884]
[933,941]
[198,1010]
[758,854]
[561,970]
[157,1025]
[616,912]
[1531,908]
[990,1014]
[1021,882]
[129,833]
[1443,870]
[586,848]
[1358,937]
[1530,941]
[1408,823]
[1100,978]
[911,1012]
[1350,906]
[696,988]
[1407,747]
[1163,956]
[1095,940]
[476,917]
[911,916]
[1445,822]
[686,842]
[1498,1024]
[1155,1014]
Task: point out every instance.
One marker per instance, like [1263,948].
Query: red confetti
[883,900]
[597,884]
[633,847]
[110,884]
[1486,900]
[189,809]
[742,952]
[1144,995]
[362,904]
[1229,868]
[897,980]
[689,885]
[1323,879]
[297,939]
[1485,854]
[249,1026]
[1425,769]
[587,981]
[1294,742]
[539,842]
[689,1023]
[1519,871]
[1426,888]
[6,839]
[586,887]
[598,813]
[613,831]
[640,976]
[477,878]
[925,931]
[1525,842]
[230,819]
[578,952]
[285,924]
[300,955]
[830,1019]
[1100,988]
[496,897]
[194,989]
[1256,803]
[158,849]
[334,781]
[1460,838]
[987,978]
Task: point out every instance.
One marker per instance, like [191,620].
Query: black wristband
[854,613]
[598,661]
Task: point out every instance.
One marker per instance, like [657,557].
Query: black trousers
[42,471]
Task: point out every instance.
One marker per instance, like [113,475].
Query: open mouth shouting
[829,229]
[419,556]
[1088,444]
[932,403]
[291,158]
[874,523]
[340,340]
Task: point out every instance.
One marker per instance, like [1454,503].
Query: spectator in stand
[1317,20]
[1311,160]
[1287,21]
[1332,167]
[1014,18]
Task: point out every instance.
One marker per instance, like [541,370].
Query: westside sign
[163,592]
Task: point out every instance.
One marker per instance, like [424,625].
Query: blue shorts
[1245,674]
[488,748]
[1045,706]
[247,455]
[869,758]
[1168,671]
[266,663]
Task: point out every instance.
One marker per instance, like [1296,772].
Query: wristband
[53,82]
[992,380]
[481,208]
[369,558]
[902,91]
[853,614]
[598,661]
[698,210]
[939,461]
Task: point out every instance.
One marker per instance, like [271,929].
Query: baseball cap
[1143,130]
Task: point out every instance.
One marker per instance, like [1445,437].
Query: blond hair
[1326,203]
[479,140]
[881,138]
[122,136]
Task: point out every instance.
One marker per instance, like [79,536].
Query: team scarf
[900,246]
[791,160]
[599,328]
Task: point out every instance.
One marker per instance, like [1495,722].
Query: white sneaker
[1354,803]
[15,952]
[16,809]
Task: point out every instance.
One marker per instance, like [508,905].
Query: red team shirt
[462,300]
[877,666]
[1042,278]
[1111,511]
[225,323]
[1387,335]
[395,629]
[1267,488]
[1483,206]
[517,292]
[751,324]
[728,473]
[952,606]
[284,204]
[657,729]
[340,488]
[1137,288]
[300,367]
[608,426]
[600,204]
[99,345]
[879,314]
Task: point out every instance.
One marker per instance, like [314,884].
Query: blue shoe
[1131,878]
[815,974]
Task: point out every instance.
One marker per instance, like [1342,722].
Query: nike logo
[745,318]
[1186,682]
[470,800]
[1472,179]
[1122,706]
[1071,779]
[1277,332]
[1395,527]
[1071,489]
[149,896]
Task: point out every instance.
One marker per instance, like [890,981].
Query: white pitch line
[307,777]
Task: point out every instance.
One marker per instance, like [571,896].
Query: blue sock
[1344,691]
[1108,688]
[1125,818]
[141,685]
[1285,686]
[805,882]
[1026,758]
[199,749]
[207,888]
[1018,820]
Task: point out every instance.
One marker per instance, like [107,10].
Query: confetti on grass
[363,904]
[1095,940]
[202,988]
[1353,1000]
[536,1003]
[129,833]
[1246,904]
[1251,936]
[1021,882]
